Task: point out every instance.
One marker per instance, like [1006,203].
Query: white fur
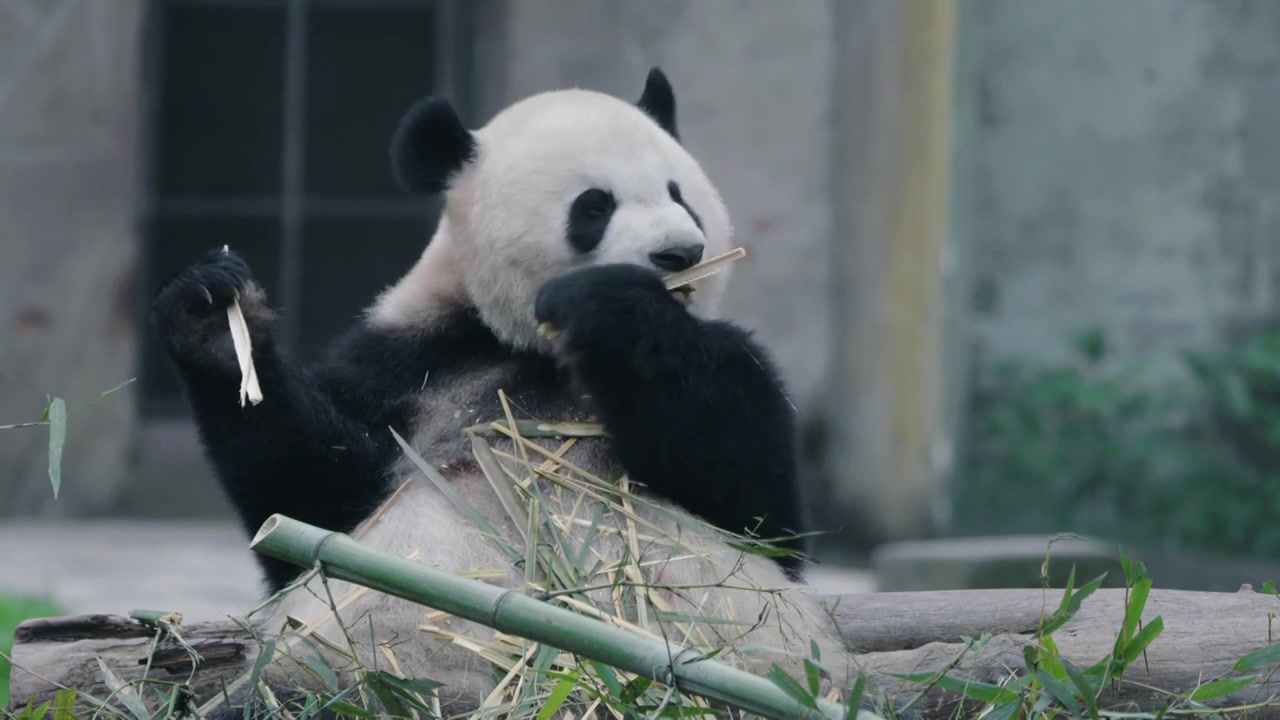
[502,237]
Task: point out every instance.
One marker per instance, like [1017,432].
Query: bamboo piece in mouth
[678,281]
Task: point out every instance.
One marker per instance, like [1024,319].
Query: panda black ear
[658,101]
[429,146]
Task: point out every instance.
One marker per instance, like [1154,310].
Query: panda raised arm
[566,208]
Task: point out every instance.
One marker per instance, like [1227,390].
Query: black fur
[658,101]
[695,408]
[317,448]
[429,146]
[588,219]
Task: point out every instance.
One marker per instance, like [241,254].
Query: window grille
[267,127]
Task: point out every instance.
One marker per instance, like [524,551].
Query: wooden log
[53,653]
[1204,635]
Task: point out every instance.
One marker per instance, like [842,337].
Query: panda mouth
[683,294]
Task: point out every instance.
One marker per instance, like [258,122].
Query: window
[269,122]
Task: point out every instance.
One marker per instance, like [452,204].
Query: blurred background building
[984,235]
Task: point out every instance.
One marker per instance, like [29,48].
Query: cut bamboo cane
[510,612]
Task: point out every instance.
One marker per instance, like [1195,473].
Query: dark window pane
[177,243]
[345,264]
[366,66]
[222,84]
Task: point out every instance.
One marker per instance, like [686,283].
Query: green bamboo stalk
[511,612]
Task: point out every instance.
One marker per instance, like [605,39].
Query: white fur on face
[507,214]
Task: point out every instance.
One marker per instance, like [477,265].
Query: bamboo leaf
[788,685]
[1219,688]
[985,692]
[1143,639]
[608,676]
[1137,602]
[37,713]
[127,694]
[750,548]
[322,669]
[855,698]
[447,490]
[268,652]
[1004,711]
[814,675]
[1085,688]
[103,396]
[1071,607]
[1071,586]
[57,438]
[1268,655]
[64,705]
[557,698]
[417,685]
[634,690]
[386,694]
[1061,691]
[346,708]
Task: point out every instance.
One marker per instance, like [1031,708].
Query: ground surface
[202,569]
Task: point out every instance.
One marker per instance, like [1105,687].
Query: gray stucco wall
[1126,172]
[68,160]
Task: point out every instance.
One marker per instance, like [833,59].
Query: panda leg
[294,453]
[696,410]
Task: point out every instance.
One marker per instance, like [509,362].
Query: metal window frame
[453,38]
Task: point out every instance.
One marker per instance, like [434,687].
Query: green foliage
[14,610]
[1191,462]
[1050,686]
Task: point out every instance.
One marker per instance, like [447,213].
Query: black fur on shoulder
[696,410]
[430,146]
[658,101]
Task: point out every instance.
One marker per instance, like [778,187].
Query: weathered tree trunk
[1204,635]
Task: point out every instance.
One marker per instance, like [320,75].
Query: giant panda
[566,209]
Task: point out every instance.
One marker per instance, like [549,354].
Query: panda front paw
[607,300]
[190,308]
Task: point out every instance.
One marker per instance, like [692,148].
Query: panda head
[555,182]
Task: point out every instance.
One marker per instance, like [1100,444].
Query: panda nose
[677,257]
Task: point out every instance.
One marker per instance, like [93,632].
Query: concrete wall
[1125,163]
[68,162]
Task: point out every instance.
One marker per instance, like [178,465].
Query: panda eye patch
[589,217]
[595,203]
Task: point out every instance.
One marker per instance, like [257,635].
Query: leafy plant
[1190,462]
[1051,686]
